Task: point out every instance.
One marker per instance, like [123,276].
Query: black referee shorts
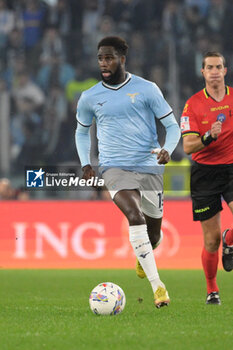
[209,183]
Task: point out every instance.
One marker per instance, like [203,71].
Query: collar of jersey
[207,95]
[118,86]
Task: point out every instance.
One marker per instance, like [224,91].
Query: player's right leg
[155,236]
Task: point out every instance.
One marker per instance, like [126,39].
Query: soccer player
[207,130]
[125,107]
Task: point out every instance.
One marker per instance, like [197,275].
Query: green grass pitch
[49,309]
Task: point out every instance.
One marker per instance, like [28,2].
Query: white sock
[140,242]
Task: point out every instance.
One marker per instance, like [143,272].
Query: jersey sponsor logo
[221,117]
[184,123]
[220,108]
[132,96]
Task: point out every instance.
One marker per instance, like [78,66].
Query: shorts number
[160,195]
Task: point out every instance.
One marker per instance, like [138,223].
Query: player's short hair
[213,54]
[119,44]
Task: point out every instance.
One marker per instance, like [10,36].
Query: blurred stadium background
[47,58]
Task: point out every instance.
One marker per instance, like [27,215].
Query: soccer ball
[107,299]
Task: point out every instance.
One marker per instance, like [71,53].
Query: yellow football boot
[161,297]
[139,270]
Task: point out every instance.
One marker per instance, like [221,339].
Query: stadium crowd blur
[48,57]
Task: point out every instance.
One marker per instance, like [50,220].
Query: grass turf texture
[49,309]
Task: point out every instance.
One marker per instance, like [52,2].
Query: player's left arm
[172,138]
[163,112]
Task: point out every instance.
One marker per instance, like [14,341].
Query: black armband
[206,139]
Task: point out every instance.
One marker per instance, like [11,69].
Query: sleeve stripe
[86,126]
[165,115]
[190,133]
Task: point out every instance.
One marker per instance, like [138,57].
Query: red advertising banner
[73,234]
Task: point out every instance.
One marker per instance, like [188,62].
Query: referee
[207,130]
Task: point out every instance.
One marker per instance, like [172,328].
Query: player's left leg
[152,207]
[155,235]
[212,236]
[128,201]
[227,246]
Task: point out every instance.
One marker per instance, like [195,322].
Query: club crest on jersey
[132,96]
[221,117]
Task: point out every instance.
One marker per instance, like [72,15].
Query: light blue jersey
[125,118]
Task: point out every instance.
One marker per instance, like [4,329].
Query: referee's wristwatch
[206,139]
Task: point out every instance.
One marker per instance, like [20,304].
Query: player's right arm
[84,118]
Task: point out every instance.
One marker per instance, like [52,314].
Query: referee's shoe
[227,253]
[213,299]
